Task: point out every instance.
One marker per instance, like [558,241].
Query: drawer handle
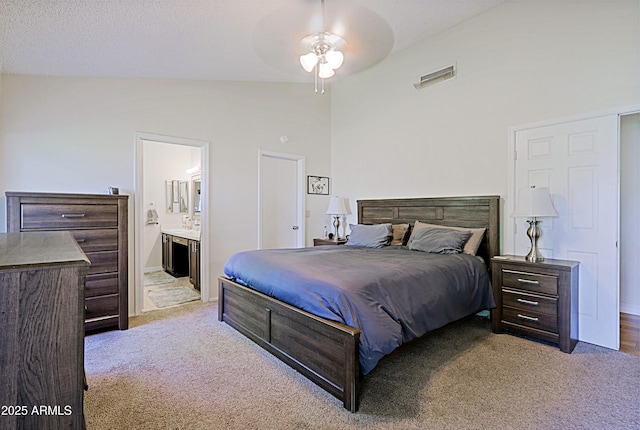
[528,302]
[72,215]
[524,317]
[528,281]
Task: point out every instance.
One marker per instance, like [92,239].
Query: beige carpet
[180,368]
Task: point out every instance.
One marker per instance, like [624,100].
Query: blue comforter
[391,294]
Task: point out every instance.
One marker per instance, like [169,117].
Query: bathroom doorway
[171,164]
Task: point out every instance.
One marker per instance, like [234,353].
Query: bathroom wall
[161,162]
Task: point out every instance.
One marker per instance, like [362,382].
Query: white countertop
[182,232]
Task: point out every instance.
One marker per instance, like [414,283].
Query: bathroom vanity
[181,253]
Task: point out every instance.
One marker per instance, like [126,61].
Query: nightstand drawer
[531,319]
[530,281]
[530,303]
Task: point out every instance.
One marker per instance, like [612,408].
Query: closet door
[280,219]
[578,162]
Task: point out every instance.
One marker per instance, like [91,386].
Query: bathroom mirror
[184,196]
[195,181]
[177,195]
[169,195]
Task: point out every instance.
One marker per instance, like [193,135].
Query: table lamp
[337,208]
[534,202]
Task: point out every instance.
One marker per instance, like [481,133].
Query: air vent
[435,77]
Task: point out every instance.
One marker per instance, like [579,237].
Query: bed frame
[324,351]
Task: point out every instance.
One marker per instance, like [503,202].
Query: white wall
[630,214]
[78,135]
[518,63]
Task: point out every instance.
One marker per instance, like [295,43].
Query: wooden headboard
[471,212]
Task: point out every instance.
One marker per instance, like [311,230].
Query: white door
[279,202]
[578,162]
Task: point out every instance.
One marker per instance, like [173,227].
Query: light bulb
[308,61]
[325,71]
[334,58]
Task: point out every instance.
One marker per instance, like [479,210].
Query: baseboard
[629,308]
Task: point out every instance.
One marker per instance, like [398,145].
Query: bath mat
[158,277]
[171,296]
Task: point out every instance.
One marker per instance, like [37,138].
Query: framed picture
[317,185]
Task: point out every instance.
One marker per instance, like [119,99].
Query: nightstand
[536,299]
[318,242]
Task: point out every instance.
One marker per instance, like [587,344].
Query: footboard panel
[324,351]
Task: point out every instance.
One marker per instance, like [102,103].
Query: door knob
[295,227]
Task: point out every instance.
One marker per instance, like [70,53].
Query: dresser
[42,281]
[98,222]
[538,299]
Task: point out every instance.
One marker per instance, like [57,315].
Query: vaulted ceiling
[240,40]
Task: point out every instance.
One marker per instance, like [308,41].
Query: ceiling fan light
[325,71]
[334,58]
[308,61]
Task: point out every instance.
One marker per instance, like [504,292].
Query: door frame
[510,230]
[300,191]
[205,290]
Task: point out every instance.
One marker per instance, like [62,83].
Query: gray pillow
[371,236]
[439,240]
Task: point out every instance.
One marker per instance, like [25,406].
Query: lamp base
[534,234]
[336,225]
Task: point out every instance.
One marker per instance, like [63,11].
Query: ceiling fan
[323,57]
[332,41]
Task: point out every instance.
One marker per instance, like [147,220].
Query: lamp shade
[338,206]
[534,202]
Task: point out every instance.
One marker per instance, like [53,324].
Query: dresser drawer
[530,281]
[96,240]
[529,302]
[99,307]
[101,284]
[103,262]
[67,216]
[531,318]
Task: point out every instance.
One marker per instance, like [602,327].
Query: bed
[322,347]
